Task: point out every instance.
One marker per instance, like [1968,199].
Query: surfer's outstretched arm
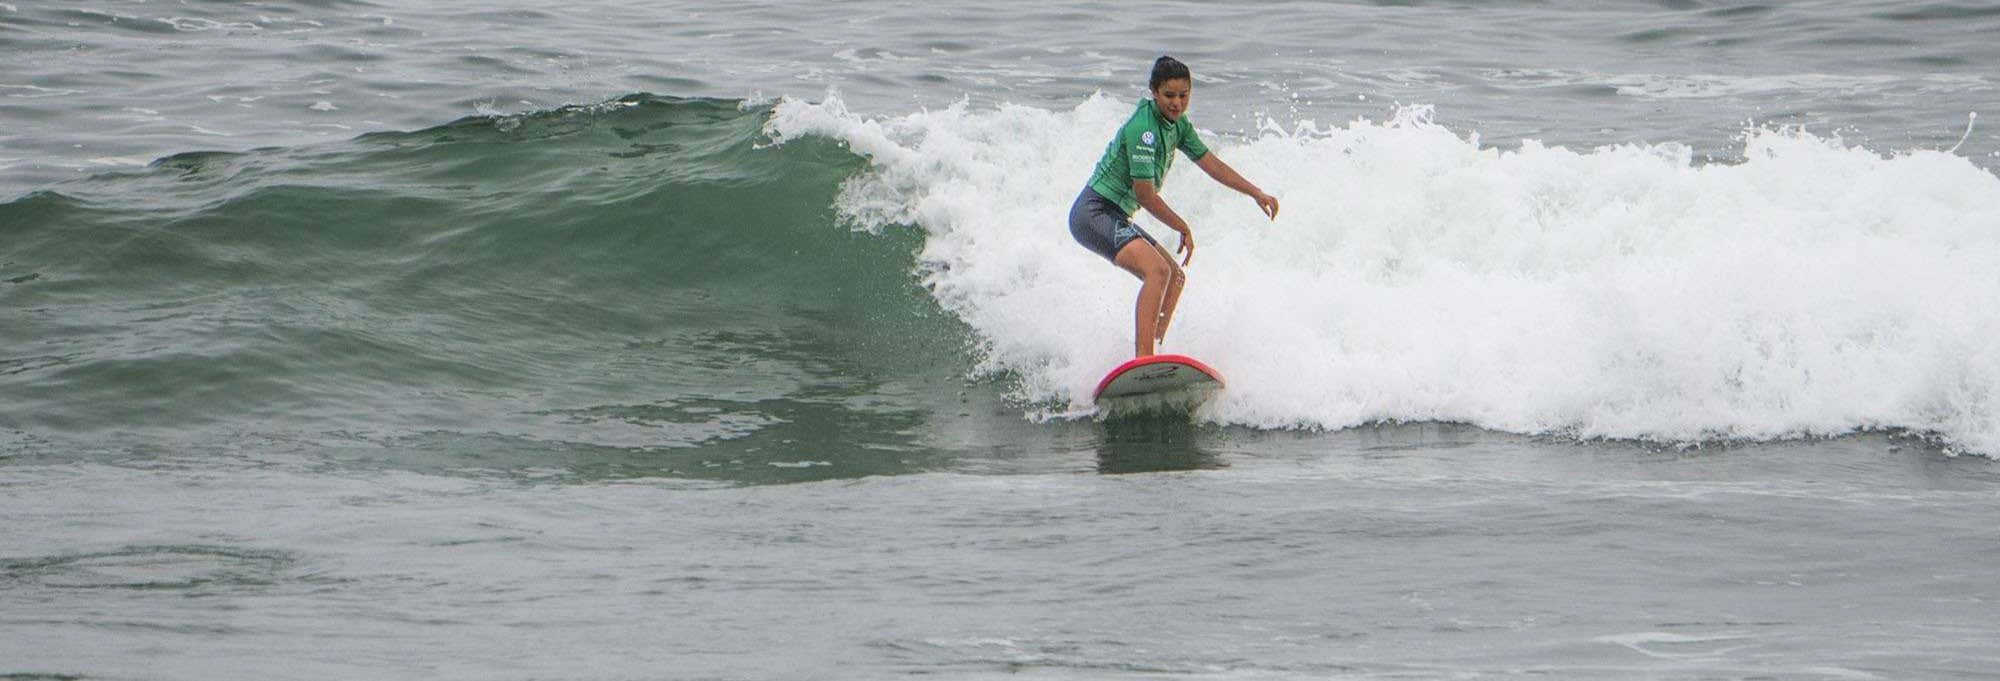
[1213,165]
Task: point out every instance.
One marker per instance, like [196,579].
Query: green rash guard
[1143,150]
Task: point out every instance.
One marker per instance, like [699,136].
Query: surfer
[1129,176]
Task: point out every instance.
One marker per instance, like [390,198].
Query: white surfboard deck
[1157,383]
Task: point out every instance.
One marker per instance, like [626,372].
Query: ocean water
[346,339]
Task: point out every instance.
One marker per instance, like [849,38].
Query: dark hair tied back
[1165,69]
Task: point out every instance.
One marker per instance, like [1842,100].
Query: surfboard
[1157,383]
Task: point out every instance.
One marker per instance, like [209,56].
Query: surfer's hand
[1187,245]
[1268,203]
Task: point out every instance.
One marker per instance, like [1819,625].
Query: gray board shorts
[1101,226]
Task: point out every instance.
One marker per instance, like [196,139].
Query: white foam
[1703,86]
[198,24]
[34,91]
[1678,646]
[120,161]
[1817,288]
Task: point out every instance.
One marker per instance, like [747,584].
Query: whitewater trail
[1812,288]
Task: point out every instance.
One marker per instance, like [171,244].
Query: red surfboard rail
[1153,360]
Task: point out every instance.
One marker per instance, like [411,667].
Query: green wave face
[644,284]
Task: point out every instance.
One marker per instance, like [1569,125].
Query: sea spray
[1813,288]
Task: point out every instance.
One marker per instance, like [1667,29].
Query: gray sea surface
[96,84]
[295,381]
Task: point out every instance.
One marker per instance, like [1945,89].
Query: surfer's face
[1171,98]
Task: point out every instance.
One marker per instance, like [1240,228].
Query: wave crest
[1814,288]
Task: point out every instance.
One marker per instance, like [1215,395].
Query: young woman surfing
[1129,177]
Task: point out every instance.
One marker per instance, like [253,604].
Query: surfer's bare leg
[1151,266]
[1171,299]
